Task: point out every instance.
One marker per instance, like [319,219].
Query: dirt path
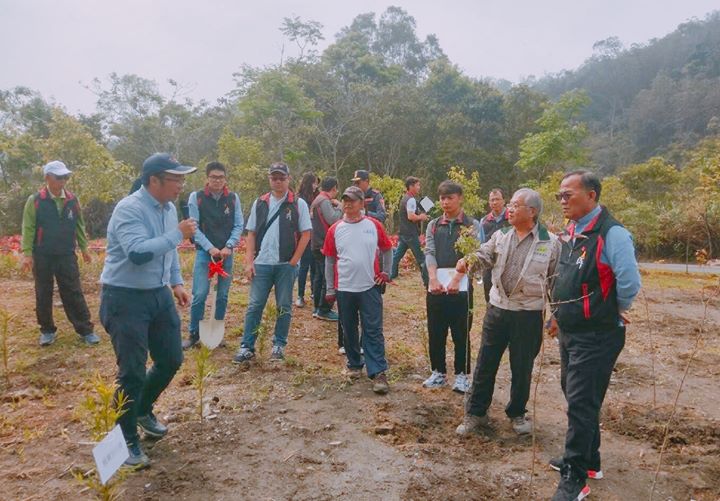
[302,431]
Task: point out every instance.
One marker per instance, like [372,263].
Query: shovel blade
[212,332]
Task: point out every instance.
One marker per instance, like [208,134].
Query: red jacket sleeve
[329,249]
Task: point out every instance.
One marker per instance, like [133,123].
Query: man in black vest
[374,201]
[448,308]
[597,280]
[494,220]
[278,231]
[409,233]
[52,228]
[220,222]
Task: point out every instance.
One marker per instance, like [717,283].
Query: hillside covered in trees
[379,97]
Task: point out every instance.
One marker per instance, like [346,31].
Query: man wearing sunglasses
[52,228]
[220,223]
[597,280]
[279,229]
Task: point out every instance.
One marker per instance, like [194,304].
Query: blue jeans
[307,264]
[365,307]
[201,289]
[412,243]
[282,276]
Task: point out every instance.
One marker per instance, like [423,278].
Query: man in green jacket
[52,229]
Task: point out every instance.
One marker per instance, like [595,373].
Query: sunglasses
[64,177]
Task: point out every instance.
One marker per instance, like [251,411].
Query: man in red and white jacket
[357,271]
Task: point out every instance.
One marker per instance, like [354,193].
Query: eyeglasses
[64,177]
[564,196]
[514,206]
[216,178]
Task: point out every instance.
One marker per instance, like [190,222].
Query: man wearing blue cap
[140,277]
[52,228]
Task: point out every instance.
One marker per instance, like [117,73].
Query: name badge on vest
[227,210]
[288,214]
[70,215]
[581,260]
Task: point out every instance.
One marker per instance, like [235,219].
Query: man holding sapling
[140,277]
[448,303]
[597,281]
[522,258]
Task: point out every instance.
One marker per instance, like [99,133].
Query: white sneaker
[436,380]
[462,384]
[341,350]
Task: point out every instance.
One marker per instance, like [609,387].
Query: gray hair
[531,199]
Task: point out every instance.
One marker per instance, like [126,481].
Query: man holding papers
[522,258]
[448,303]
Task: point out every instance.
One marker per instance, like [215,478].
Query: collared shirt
[142,240]
[200,238]
[619,254]
[431,246]
[29,223]
[270,245]
[517,254]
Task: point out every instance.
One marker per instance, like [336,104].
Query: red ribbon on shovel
[216,268]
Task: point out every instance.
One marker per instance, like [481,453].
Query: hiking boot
[557,464]
[47,338]
[277,354]
[472,424]
[300,302]
[521,425]
[462,384]
[192,341]
[436,380]
[353,373]
[329,316]
[380,384]
[151,426]
[90,339]
[137,460]
[341,350]
[571,486]
[243,355]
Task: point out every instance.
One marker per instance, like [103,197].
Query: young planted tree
[203,370]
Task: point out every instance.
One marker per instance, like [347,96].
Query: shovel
[212,331]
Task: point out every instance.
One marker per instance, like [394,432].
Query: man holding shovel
[220,223]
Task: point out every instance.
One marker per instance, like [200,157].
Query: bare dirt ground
[301,431]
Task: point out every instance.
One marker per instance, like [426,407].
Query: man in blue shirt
[278,231]
[136,307]
[220,223]
[596,280]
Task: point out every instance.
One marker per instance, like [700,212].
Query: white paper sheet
[426,204]
[110,454]
[444,276]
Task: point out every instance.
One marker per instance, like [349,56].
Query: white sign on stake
[426,204]
[110,454]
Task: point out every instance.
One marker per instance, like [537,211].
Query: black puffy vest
[407,228]
[55,232]
[288,219]
[446,233]
[217,217]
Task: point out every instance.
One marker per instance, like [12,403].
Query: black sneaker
[243,355]
[151,427]
[137,460]
[571,487]
[557,464]
[191,342]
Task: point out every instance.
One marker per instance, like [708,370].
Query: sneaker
[571,487]
[137,459]
[329,316]
[521,425]
[277,354]
[557,464]
[90,339]
[380,384]
[47,338]
[151,426]
[472,424]
[353,373]
[341,350]
[300,302]
[243,355]
[462,384]
[436,380]
[192,341]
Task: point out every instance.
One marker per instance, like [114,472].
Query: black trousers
[141,322]
[449,311]
[521,331]
[319,286]
[65,270]
[487,284]
[586,363]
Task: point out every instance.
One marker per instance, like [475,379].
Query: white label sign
[110,454]
[426,204]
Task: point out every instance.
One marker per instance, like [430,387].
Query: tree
[305,34]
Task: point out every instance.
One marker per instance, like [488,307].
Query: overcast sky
[56,46]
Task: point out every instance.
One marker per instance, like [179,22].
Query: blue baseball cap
[164,162]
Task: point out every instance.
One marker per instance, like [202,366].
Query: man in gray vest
[409,232]
[522,258]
